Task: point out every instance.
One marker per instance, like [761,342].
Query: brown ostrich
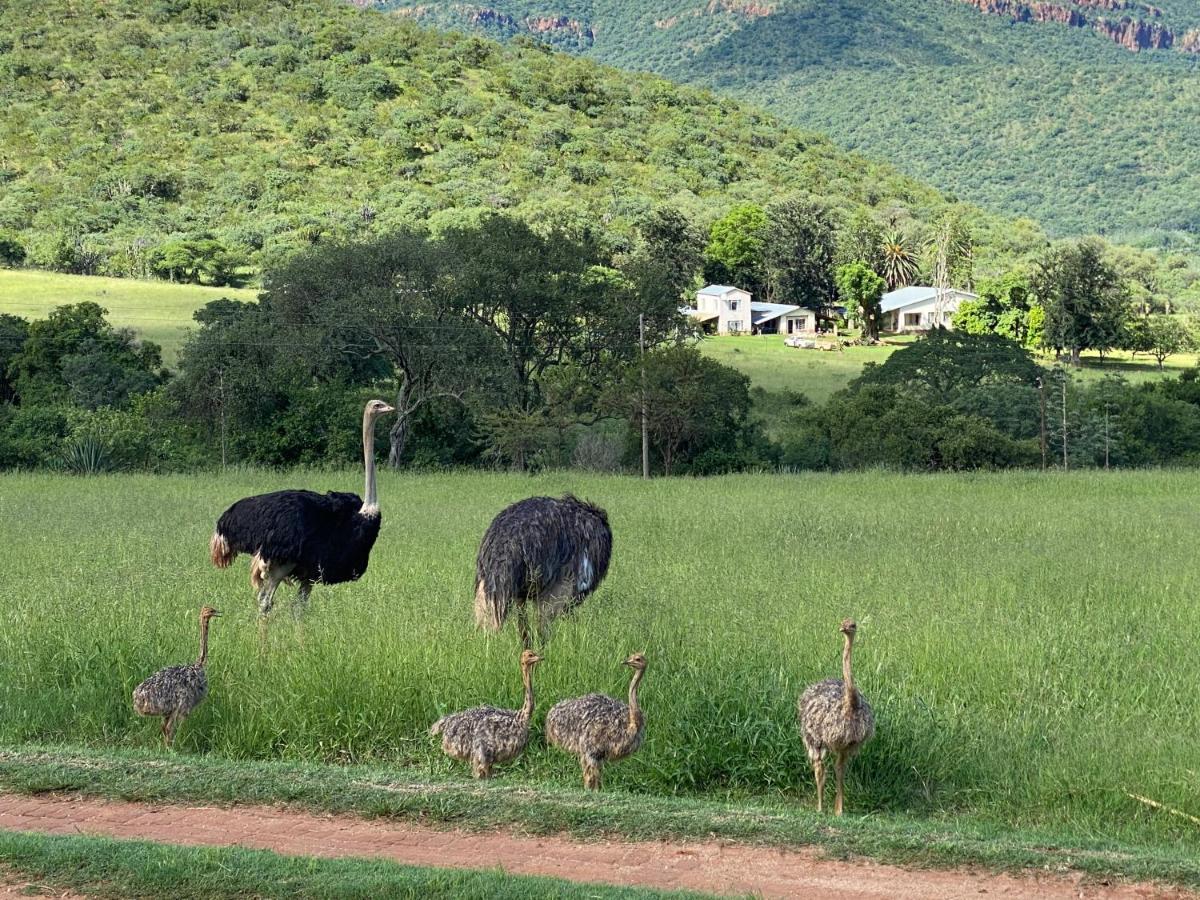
[486,735]
[835,718]
[597,728]
[175,691]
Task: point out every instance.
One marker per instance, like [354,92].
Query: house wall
[734,320]
[895,320]
[805,322]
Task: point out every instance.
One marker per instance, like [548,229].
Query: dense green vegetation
[1013,677]
[101,867]
[203,140]
[1039,120]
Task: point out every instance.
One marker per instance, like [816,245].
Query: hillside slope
[1051,117]
[271,125]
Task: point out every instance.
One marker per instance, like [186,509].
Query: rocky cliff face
[1132,33]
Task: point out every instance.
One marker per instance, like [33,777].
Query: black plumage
[302,536]
[324,537]
[551,551]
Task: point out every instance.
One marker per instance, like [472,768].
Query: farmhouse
[730,310]
[919,308]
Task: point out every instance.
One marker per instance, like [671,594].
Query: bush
[12,253]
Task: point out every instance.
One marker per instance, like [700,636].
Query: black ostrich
[303,536]
[552,552]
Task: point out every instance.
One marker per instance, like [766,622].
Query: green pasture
[774,367]
[158,310]
[1027,639]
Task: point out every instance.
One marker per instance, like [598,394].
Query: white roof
[719,290]
[907,296]
[765,312]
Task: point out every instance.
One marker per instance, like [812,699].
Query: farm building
[730,310]
[919,307]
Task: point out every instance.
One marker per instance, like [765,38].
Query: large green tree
[798,254]
[390,301]
[736,242]
[1085,299]
[860,290]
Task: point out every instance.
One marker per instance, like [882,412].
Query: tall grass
[1028,641]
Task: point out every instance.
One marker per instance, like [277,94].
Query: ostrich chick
[175,691]
[486,735]
[598,728]
[835,718]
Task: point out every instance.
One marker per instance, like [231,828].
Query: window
[734,326]
[733,305]
[912,320]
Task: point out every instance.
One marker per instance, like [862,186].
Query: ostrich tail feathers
[490,609]
[220,551]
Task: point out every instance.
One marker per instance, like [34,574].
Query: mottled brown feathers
[835,718]
[824,723]
[485,735]
[174,692]
[597,728]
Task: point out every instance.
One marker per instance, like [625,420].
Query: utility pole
[1066,464]
[221,395]
[1107,407]
[1042,426]
[645,425]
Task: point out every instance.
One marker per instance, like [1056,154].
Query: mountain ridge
[1058,123]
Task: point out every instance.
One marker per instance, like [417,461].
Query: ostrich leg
[819,774]
[839,768]
[301,604]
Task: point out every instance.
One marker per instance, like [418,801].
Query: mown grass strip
[411,795]
[103,867]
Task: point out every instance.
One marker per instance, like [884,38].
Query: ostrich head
[529,659]
[207,613]
[849,628]
[636,661]
[376,408]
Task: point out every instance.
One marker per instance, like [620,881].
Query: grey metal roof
[917,293]
[765,312]
[716,290]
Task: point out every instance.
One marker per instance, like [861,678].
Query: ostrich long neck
[370,505]
[527,677]
[203,642]
[851,698]
[635,711]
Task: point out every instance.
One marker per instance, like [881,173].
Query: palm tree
[900,264]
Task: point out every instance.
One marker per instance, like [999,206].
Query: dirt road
[700,866]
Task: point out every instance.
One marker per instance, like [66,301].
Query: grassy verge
[102,867]
[374,791]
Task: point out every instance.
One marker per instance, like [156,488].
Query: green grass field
[818,374]
[1027,640]
[157,310]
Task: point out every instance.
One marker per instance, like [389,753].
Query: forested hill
[1078,113]
[264,126]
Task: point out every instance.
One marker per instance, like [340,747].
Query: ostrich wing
[288,526]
